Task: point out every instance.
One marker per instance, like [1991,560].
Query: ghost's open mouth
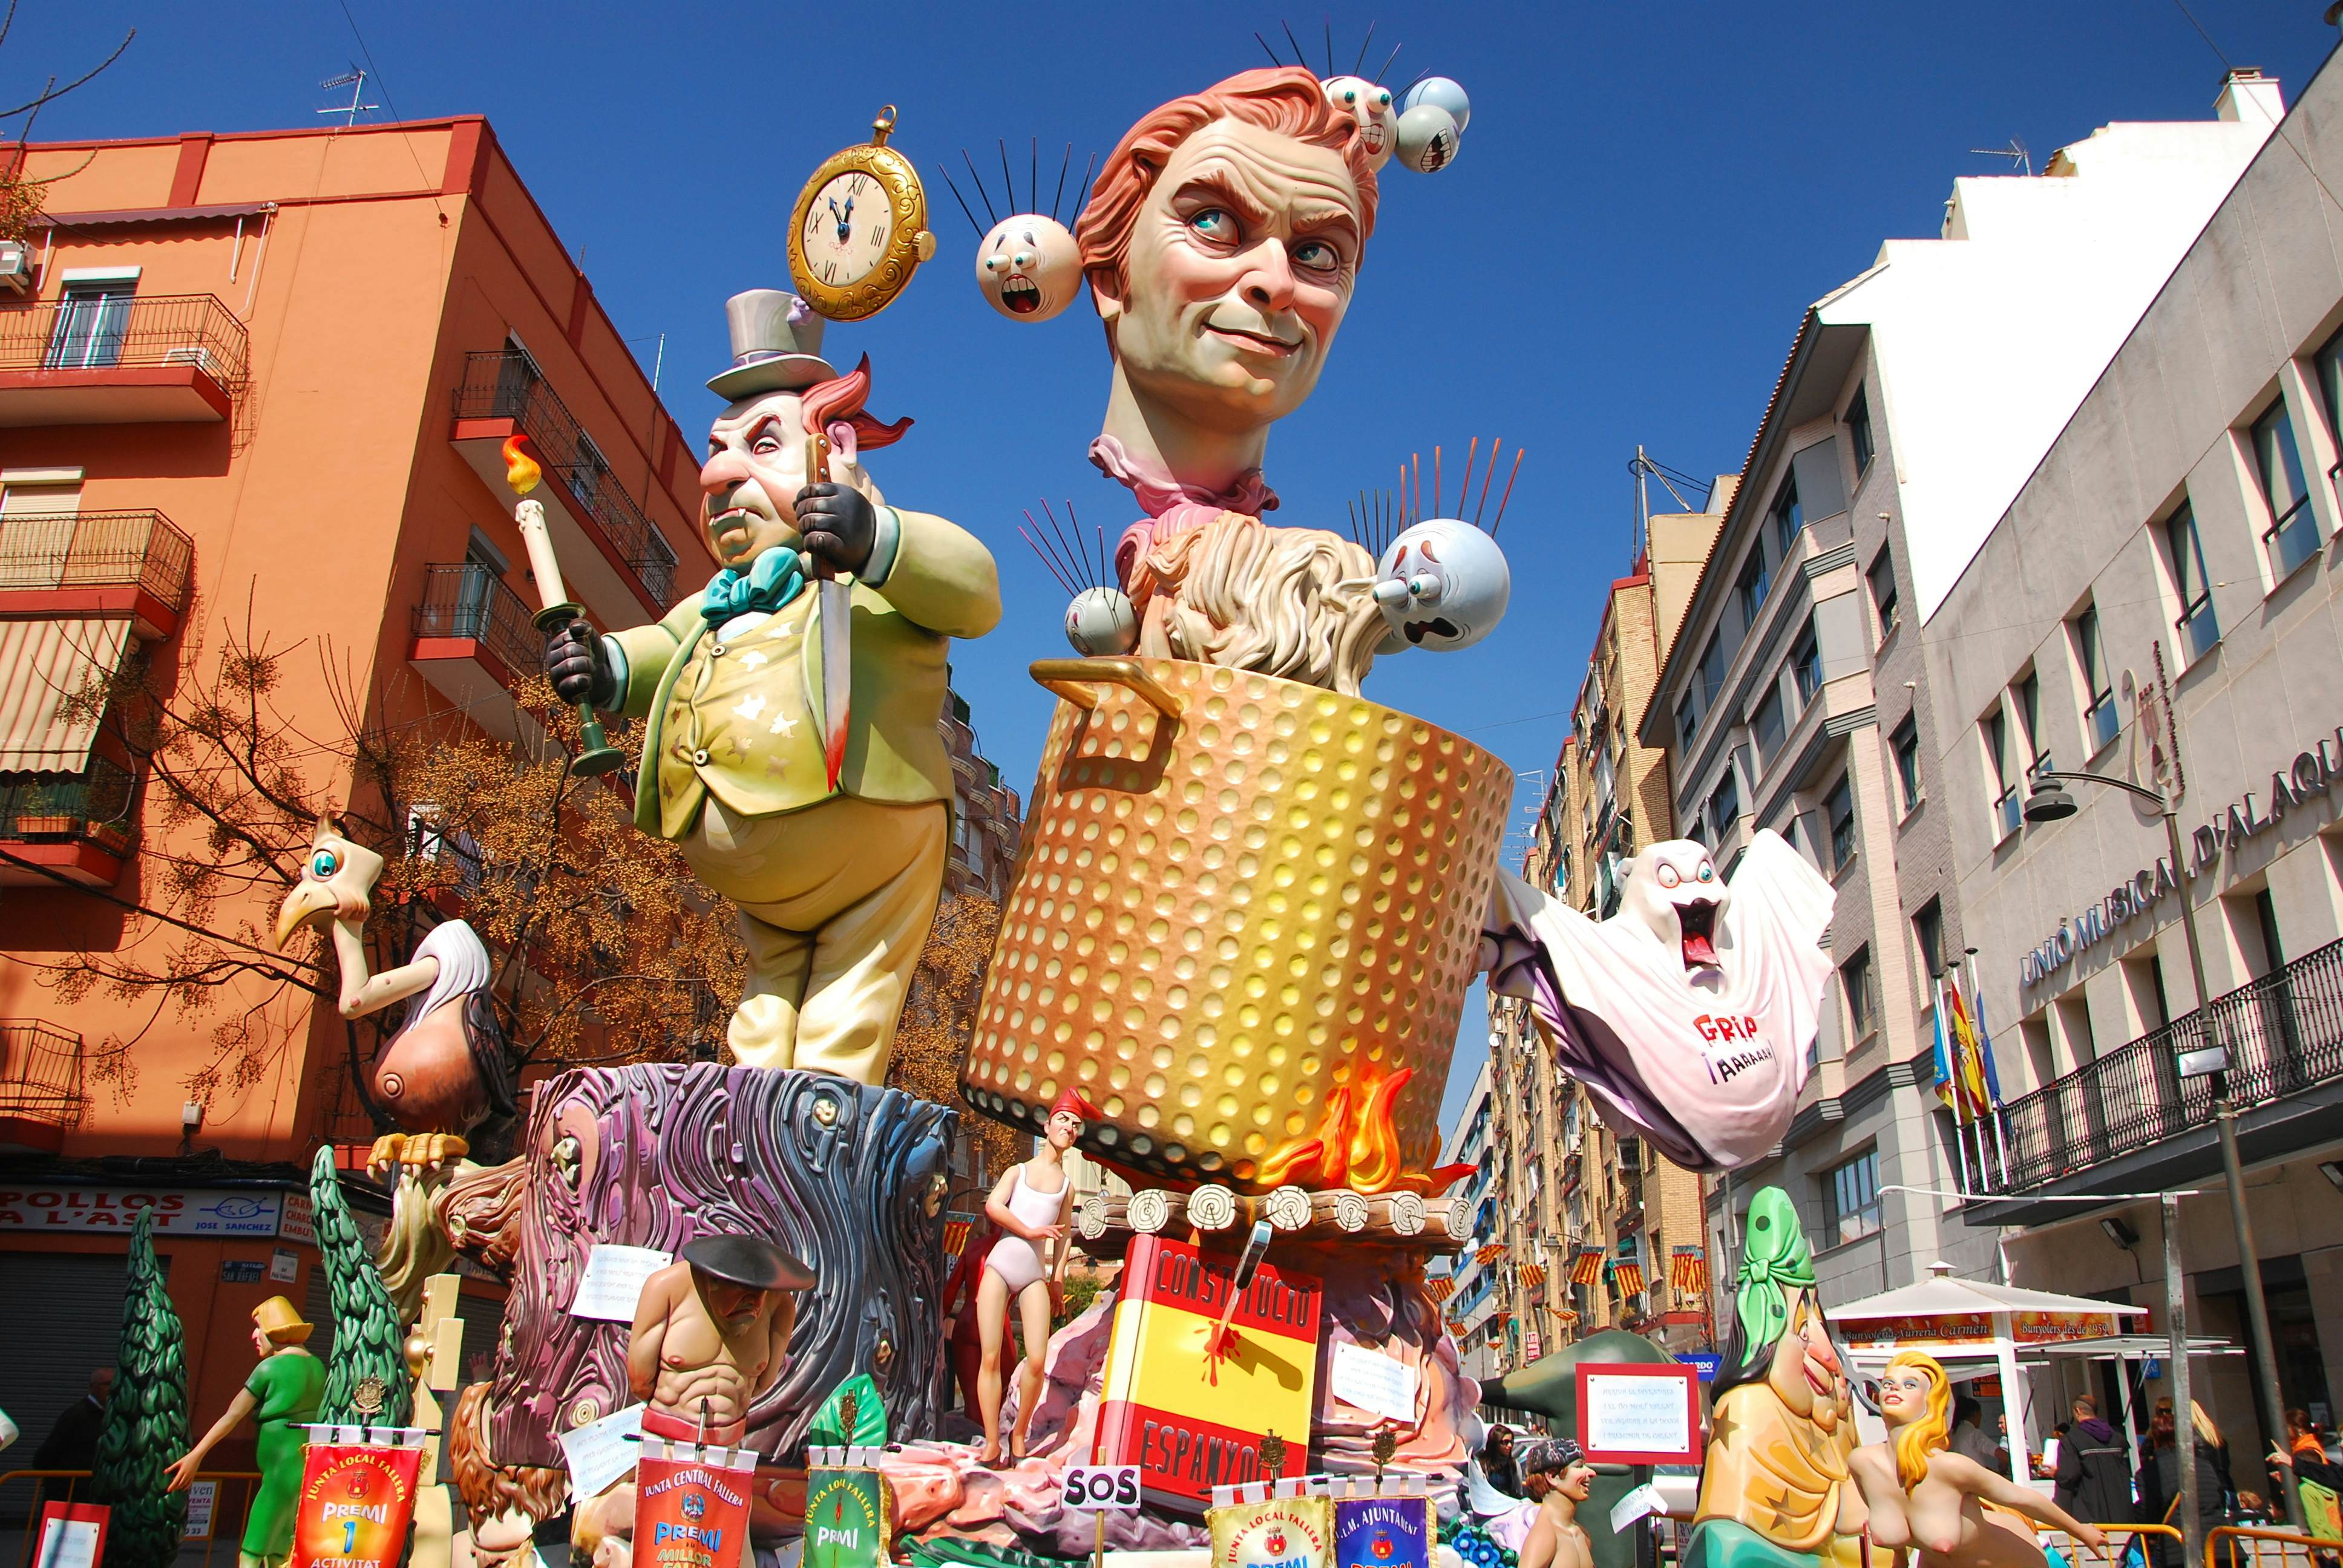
[1021,294]
[1698,923]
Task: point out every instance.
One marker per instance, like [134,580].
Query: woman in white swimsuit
[1029,1205]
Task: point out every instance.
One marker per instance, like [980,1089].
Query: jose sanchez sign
[2311,773]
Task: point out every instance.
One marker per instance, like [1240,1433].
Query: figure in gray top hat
[835,862]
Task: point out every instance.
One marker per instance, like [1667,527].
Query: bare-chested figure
[711,1333]
[1958,1514]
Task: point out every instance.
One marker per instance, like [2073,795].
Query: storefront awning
[44,667]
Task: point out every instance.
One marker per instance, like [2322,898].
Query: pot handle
[1071,678]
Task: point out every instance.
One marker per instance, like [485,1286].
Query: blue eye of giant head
[1708,873]
[325,863]
[1214,222]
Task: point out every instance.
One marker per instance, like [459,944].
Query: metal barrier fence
[22,1491]
[2284,1033]
[2243,1546]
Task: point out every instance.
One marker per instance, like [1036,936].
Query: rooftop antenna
[2016,153]
[354,79]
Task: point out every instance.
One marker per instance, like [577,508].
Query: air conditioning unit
[15,265]
[195,353]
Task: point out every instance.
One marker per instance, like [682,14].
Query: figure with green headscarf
[1775,1490]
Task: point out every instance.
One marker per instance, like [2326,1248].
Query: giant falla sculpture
[1248,907]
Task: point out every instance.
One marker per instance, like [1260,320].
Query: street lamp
[2046,802]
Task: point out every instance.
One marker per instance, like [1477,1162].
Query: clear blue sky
[1646,198]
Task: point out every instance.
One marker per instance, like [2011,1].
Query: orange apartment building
[261,376]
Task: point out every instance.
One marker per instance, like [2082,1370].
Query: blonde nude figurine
[1921,1494]
[711,1333]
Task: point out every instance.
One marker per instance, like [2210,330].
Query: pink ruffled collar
[1158,492]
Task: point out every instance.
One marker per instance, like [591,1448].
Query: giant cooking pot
[1236,894]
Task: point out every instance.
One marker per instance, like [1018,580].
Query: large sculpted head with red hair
[1221,243]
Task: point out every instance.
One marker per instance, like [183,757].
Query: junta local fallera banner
[691,1512]
[357,1501]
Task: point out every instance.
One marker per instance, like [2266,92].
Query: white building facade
[1916,400]
[2178,538]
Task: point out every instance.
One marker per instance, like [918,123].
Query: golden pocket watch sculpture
[861,228]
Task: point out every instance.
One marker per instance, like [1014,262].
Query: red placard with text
[691,1511]
[357,1500]
[1636,1412]
[72,1535]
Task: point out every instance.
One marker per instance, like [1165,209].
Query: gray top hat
[776,345]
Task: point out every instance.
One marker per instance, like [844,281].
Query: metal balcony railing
[105,331]
[94,803]
[97,549]
[41,1073]
[504,385]
[2284,1033]
[468,600]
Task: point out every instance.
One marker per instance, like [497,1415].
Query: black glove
[580,671]
[839,525]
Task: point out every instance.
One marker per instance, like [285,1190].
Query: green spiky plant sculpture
[146,1422]
[370,1346]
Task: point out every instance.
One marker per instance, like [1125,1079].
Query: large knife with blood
[833,616]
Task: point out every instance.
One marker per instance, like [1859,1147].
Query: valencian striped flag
[1439,1287]
[1587,1267]
[1490,1254]
[1688,1271]
[1629,1276]
[1532,1275]
[1565,1315]
[955,1237]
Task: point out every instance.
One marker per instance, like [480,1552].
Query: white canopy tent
[1969,1321]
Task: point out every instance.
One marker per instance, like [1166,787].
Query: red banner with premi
[691,1512]
[357,1500]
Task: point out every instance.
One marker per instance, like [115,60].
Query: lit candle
[522,473]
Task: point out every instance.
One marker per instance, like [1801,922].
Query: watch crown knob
[924,243]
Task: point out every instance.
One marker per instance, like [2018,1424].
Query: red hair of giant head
[1287,99]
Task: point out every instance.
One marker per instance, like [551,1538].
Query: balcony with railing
[613,558]
[104,358]
[42,1095]
[474,640]
[80,826]
[101,564]
[2129,1121]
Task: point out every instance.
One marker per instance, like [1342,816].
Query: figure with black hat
[711,1333]
[284,1392]
[824,816]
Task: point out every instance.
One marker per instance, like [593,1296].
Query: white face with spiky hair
[1673,890]
[1029,267]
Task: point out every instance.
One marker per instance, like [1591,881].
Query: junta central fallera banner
[357,1501]
[691,1512]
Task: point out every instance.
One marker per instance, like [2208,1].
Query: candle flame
[521,472]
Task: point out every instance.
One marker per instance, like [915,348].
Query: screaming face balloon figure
[1686,1014]
[1028,268]
[1443,584]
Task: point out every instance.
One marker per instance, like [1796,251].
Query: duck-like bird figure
[446,1071]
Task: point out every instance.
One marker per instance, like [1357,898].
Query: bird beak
[302,905]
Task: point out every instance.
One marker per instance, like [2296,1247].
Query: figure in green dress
[283,1392]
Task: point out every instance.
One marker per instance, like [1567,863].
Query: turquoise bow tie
[775,577]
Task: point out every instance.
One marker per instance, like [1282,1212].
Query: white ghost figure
[1029,267]
[1687,1014]
[1372,105]
[1102,621]
[1443,584]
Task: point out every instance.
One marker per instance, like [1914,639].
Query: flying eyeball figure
[1102,622]
[1441,584]
[1378,121]
[1431,121]
[1029,267]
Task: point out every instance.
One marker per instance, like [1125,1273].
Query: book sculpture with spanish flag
[1189,1402]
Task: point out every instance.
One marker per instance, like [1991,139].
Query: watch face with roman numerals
[847,229]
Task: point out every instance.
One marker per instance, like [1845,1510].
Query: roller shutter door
[70,1305]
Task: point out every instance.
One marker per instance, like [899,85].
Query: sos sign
[1102,1488]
